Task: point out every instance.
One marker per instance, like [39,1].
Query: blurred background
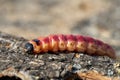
[33,18]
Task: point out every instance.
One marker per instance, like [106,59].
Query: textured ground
[16,62]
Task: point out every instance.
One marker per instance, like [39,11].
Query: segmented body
[77,43]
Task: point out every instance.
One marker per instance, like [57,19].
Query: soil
[15,61]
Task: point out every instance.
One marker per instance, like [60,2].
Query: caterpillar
[76,43]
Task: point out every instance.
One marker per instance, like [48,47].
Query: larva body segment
[110,51]
[81,44]
[100,48]
[77,43]
[62,42]
[71,42]
[44,44]
[53,40]
[91,47]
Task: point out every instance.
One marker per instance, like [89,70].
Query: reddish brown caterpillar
[77,43]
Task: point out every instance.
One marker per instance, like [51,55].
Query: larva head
[33,46]
[28,47]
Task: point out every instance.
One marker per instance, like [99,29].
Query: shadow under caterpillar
[77,43]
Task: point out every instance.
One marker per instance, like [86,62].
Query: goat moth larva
[77,43]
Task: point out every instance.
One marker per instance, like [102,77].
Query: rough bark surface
[18,65]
